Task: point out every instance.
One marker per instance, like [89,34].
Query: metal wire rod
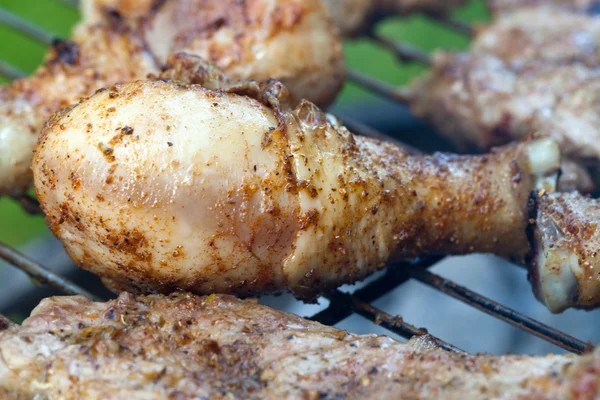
[403,51]
[72,3]
[361,129]
[392,323]
[499,311]
[26,27]
[41,273]
[5,322]
[10,71]
[458,26]
[29,204]
[394,276]
[380,88]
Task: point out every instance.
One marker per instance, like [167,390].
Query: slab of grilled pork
[219,347]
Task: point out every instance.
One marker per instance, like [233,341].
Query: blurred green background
[56,17]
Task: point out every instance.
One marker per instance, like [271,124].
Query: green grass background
[26,54]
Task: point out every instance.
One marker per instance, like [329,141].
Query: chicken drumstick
[119,41]
[160,185]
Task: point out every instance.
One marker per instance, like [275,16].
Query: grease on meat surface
[120,41]
[185,347]
[157,186]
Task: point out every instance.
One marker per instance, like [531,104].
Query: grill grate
[342,304]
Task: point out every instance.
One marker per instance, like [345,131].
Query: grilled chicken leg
[120,40]
[188,347]
[532,71]
[160,185]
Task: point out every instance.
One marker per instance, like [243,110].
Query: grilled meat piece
[120,41]
[353,17]
[481,100]
[533,71]
[159,185]
[566,263]
[541,35]
[189,347]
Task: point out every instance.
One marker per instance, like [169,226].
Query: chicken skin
[120,41]
[164,185]
[188,347]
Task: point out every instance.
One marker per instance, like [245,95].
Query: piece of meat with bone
[163,185]
[478,99]
[354,17]
[120,41]
[188,347]
[565,258]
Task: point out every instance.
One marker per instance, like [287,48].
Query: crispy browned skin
[354,17]
[188,347]
[161,185]
[120,41]
[566,262]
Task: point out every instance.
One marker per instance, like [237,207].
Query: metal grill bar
[458,26]
[397,95]
[42,274]
[364,130]
[403,51]
[499,311]
[9,71]
[392,323]
[72,3]
[393,277]
[23,26]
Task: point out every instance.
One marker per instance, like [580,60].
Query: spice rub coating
[164,185]
[188,347]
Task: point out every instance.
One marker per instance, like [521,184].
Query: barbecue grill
[341,304]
